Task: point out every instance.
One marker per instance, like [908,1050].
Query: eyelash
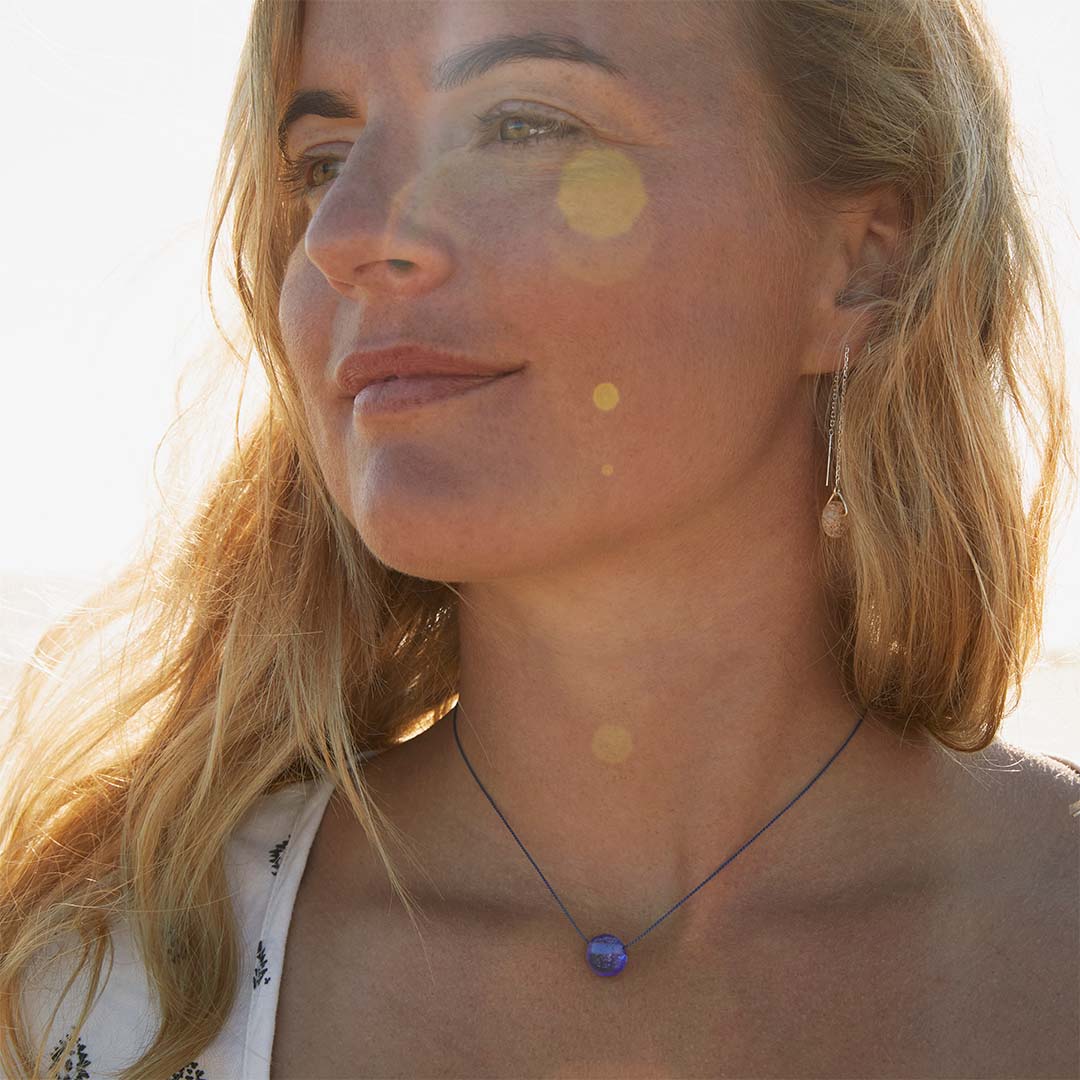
[294,176]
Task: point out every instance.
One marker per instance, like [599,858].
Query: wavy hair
[267,645]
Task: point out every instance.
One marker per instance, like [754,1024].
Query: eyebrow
[458,68]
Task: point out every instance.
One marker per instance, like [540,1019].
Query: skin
[645,669]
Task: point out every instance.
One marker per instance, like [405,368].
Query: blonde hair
[274,647]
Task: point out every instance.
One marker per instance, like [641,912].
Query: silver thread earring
[834,515]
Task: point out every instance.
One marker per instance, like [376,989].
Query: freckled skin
[632,520]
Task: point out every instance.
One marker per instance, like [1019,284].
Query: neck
[637,724]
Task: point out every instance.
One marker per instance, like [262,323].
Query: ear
[858,252]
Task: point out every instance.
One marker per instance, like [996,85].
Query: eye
[522,128]
[509,127]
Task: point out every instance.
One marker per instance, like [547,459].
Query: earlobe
[874,249]
[856,294]
[855,277]
[873,232]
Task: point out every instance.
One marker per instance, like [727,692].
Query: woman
[690,541]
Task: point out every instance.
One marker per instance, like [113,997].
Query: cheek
[306,312]
[655,276]
[725,284]
[694,338]
[294,307]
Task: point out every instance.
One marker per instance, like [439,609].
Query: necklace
[606,953]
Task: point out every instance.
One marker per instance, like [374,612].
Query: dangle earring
[834,515]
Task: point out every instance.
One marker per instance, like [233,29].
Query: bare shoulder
[1008,928]
[1021,815]
[1054,783]
[1046,774]
[1037,792]
[1021,810]
[1046,803]
[1059,778]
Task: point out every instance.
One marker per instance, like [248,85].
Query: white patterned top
[265,861]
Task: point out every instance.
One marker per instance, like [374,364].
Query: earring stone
[834,516]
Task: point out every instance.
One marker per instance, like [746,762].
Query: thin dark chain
[694,890]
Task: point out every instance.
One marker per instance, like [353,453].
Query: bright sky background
[116,111]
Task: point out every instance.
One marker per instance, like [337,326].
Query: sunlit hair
[266,644]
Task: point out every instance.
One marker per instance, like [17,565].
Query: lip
[403,395]
[407,361]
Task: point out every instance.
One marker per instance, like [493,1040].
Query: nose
[380,228]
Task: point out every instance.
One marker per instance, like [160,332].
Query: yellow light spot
[611,744]
[605,396]
[608,237]
[601,192]
[607,470]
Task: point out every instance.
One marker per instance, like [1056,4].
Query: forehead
[660,44]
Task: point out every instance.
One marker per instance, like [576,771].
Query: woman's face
[641,269]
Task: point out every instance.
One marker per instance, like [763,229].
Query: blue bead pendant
[606,954]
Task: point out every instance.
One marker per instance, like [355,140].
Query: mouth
[397,394]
